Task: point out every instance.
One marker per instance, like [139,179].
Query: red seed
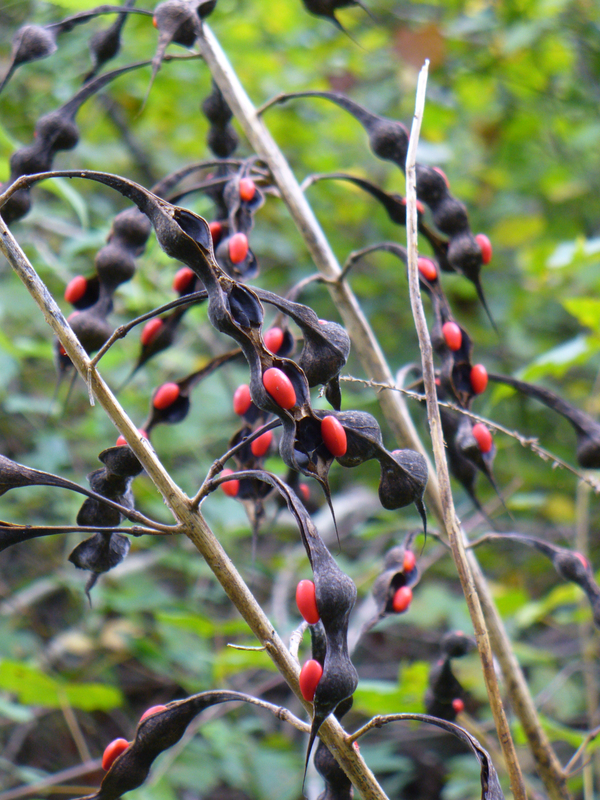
[427,269]
[483,437]
[183,279]
[334,436]
[76,288]
[402,599]
[165,396]
[306,600]
[247,189]
[273,339]
[113,751]
[152,710]
[121,440]
[452,335]
[238,247]
[216,231]
[479,378]
[409,562]
[231,488]
[485,246]
[261,444]
[150,331]
[279,386]
[242,399]
[582,558]
[420,206]
[458,705]
[443,174]
[310,675]
[154,22]
[304,491]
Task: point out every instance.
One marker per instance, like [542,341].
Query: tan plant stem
[433,413]
[193,523]
[393,406]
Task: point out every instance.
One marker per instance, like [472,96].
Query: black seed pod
[132,228]
[223,142]
[114,266]
[216,109]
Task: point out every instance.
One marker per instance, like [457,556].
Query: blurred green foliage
[512,118]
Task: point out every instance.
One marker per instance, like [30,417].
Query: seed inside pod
[75,289]
[402,599]
[273,339]
[427,269]
[231,488]
[409,561]
[261,444]
[183,279]
[165,395]
[483,437]
[242,399]
[113,751]
[334,436]
[485,246]
[452,335]
[152,710]
[238,247]
[150,331]
[306,600]
[479,378]
[310,675]
[247,189]
[279,386]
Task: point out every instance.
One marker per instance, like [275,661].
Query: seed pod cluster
[445,695]
[103,551]
[54,132]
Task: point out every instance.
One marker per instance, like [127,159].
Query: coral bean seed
[75,289]
[485,246]
[165,396]
[279,386]
[310,675]
[247,189]
[452,335]
[242,399]
[306,600]
[582,558]
[458,705]
[113,751]
[261,444]
[334,436]
[216,231]
[150,331]
[304,490]
[427,269]
[152,710]
[238,247]
[479,378]
[409,561]
[483,437]
[443,174]
[402,599]
[183,279]
[273,339]
[231,488]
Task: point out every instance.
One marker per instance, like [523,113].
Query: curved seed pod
[442,690]
[99,554]
[155,734]
[223,142]
[327,9]
[215,107]
[586,429]
[337,784]
[570,565]
[399,570]
[388,140]
[121,461]
[105,45]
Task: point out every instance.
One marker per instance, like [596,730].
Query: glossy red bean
[334,436]
[165,395]
[152,710]
[452,335]
[310,675]
[402,599]
[216,231]
[458,705]
[485,246]
[231,488]
[273,339]
[247,189]
[427,269]
[75,289]
[304,490]
[150,331]
[483,437]
[409,562]
[238,247]
[183,279]
[242,399]
[113,751]
[479,378]
[261,444]
[279,386]
[306,600]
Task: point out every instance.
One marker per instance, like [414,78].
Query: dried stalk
[193,523]
[451,523]
[392,404]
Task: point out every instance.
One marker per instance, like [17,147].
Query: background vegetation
[512,119]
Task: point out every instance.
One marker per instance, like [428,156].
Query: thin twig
[580,750]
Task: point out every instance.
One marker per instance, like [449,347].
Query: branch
[392,404]
[193,523]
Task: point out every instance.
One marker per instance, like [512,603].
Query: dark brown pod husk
[121,461]
[586,429]
[215,107]
[391,579]
[442,690]
[104,45]
[30,43]
[99,554]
